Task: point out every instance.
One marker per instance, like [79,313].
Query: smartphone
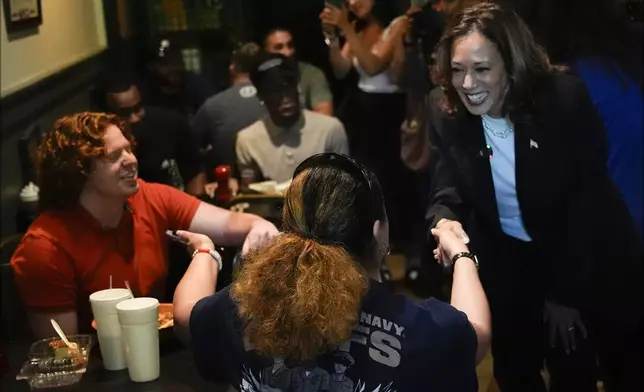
[170,234]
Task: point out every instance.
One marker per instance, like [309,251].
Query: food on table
[52,365]
[65,358]
[166,319]
[166,316]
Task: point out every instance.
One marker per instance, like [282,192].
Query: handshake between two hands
[564,323]
[451,240]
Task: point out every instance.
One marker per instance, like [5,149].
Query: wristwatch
[331,41]
[213,253]
[468,255]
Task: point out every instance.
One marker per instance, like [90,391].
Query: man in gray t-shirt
[314,90]
[222,116]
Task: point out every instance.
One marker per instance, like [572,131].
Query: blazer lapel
[483,183]
[530,153]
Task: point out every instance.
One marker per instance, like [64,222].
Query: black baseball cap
[275,72]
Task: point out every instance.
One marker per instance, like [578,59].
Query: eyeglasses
[344,163]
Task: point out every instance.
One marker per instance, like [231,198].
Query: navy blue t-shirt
[397,346]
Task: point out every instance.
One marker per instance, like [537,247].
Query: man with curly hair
[101,223]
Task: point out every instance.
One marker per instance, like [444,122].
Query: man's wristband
[468,255]
[213,253]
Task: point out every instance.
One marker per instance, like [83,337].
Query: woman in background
[519,160]
[373,112]
[600,45]
[313,296]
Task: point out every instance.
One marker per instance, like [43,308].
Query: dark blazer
[568,203]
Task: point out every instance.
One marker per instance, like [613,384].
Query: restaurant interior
[52,65]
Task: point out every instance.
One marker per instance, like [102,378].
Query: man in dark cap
[272,147]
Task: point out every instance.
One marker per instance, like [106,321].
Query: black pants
[515,282]
[514,279]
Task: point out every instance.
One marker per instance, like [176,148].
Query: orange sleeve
[178,208]
[44,274]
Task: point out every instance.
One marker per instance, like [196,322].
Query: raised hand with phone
[334,17]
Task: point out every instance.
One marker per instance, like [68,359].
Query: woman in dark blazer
[519,164]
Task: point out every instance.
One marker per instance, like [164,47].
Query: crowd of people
[500,141]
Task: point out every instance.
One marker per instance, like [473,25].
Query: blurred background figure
[166,150]
[410,70]
[168,84]
[314,89]
[222,116]
[375,108]
[600,43]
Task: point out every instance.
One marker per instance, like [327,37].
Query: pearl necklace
[500,134]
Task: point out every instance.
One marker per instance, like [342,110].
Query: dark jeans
[515,285]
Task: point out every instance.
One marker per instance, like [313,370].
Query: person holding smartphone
[101,224]
[373,112]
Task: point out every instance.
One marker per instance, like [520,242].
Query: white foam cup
[107,326]
[139,319]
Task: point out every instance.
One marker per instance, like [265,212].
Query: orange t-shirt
[66,255]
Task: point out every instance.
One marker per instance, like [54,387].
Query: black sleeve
[459,337]
[598,232]
[186,151]
[463,358]
[444,198]
[207,332]
[463,376]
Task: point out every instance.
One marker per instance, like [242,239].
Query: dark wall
[40,104]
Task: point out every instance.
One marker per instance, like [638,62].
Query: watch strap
[213,253]
[468,255]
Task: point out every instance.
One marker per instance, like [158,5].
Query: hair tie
[309,236]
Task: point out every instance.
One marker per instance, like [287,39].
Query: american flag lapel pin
[533,144]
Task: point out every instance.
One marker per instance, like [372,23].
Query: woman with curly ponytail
[308,313]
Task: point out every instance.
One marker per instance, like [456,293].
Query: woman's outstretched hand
[449,243]
[451,231]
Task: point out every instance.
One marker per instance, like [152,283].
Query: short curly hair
[66,154]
